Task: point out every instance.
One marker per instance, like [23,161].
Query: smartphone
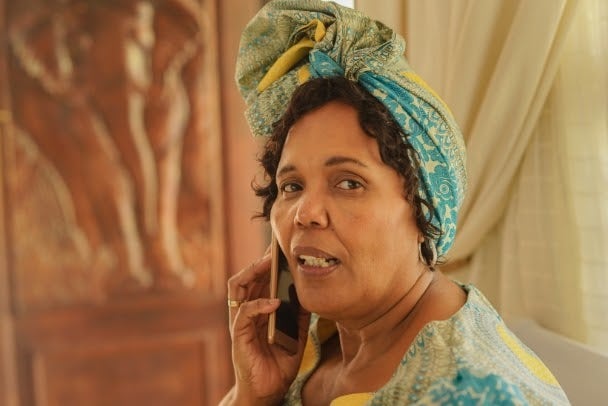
[282,323]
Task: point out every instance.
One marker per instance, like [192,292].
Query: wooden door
[112,246]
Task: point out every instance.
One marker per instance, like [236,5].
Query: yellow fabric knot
[293,55]
[418,80]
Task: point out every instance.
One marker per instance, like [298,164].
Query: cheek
[280,222]
[379,221]
[386,230]
[275,219]
[364,234]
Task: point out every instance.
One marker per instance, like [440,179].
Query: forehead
[329,130]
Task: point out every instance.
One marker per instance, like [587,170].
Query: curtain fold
[579,126]
[493,62]
[500,63]
[549,250]
[530,97]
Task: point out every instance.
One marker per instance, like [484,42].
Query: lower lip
[316,271]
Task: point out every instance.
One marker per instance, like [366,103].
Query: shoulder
[462,387]
[466,387]
[472,358]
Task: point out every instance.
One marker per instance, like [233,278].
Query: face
[341,218]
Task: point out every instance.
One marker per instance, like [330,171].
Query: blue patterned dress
[472,358]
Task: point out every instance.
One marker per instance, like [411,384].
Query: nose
[311,211]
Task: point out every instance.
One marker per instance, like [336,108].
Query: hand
[263,372]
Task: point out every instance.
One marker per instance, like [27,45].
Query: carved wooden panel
[155,374]
[112,188]
[170,350]
[116,182]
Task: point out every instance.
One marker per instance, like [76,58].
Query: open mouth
[309,260]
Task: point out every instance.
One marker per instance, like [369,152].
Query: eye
[349,184]
[290,187]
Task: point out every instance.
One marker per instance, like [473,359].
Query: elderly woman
[365,175]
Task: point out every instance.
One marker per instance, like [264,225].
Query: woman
[365,176]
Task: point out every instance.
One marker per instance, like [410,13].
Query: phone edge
[274,276]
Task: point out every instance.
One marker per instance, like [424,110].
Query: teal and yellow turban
[290,41]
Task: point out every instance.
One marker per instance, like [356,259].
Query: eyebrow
[331,161]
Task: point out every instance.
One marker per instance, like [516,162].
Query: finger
[242,286]
[245,327]
[239,284]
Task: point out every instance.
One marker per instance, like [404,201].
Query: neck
[394,325]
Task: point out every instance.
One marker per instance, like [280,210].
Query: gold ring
[234,303]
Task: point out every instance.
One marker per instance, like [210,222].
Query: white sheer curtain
[584,77]
[548,253]
[524,237]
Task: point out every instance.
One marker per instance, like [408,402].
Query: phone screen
[283,324]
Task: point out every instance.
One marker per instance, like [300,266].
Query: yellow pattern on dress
[324,330]
[353,399]
[534,364]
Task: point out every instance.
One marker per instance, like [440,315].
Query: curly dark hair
[375,120]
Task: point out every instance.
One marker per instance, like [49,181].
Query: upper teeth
[316,261]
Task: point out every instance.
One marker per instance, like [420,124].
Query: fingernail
[273,301]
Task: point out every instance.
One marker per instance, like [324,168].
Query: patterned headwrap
[290,41]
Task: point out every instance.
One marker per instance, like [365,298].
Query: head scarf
[290,41]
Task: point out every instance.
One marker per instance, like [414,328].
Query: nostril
[311,213]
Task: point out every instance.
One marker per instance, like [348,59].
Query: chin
[324,308]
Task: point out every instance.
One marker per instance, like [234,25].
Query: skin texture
[337,200]
[332,185]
